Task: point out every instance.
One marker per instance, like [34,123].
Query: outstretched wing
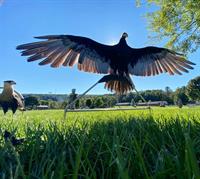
[68,50]
[19,98]
[154,60]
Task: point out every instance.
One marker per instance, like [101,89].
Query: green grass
[161,143]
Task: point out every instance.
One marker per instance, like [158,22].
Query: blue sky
[101,20]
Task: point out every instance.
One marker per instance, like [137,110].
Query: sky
[102,20]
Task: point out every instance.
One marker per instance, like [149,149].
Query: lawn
[157,143]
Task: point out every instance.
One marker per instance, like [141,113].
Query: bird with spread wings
[119,60]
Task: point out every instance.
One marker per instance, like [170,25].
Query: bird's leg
[79,97]
[22,113]
[140,96]
[13,117]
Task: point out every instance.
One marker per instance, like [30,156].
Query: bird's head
[9,82]
[124,35]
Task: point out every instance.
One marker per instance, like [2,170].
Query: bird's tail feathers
[119,84]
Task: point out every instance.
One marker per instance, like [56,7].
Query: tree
[88,102]
[82,102]
[193,89]
[98,102]
[168,95]
[180,95]
[53,104]
[109,100]
[168,91]
[179,21]
[44,102]
[180,103]
[31,101]
[64,104]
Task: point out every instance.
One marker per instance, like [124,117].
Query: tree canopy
[193,89]
[180,96]
[31,101]
[178,21]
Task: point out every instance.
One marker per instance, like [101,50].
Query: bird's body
[120,59]
[11,99]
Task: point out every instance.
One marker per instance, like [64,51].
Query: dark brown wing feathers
[154,60]
[19,100]
[68,50]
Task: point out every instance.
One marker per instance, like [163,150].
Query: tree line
[182,95]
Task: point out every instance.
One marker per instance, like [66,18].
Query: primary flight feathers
[91,56]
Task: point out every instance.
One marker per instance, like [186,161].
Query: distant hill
[53,97]
[57,97]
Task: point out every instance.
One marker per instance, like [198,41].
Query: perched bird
[119,60]
[9,137]
[9,98]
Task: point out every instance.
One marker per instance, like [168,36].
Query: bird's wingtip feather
[180,54]
[48,37]
[192,63]
[20,47]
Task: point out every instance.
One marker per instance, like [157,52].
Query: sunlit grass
[157,143]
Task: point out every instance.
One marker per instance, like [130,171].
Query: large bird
[9,98]
[119,60]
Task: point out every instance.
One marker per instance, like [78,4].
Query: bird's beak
[125,35]
[13,83]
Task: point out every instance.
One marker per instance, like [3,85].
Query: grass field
[161,143]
